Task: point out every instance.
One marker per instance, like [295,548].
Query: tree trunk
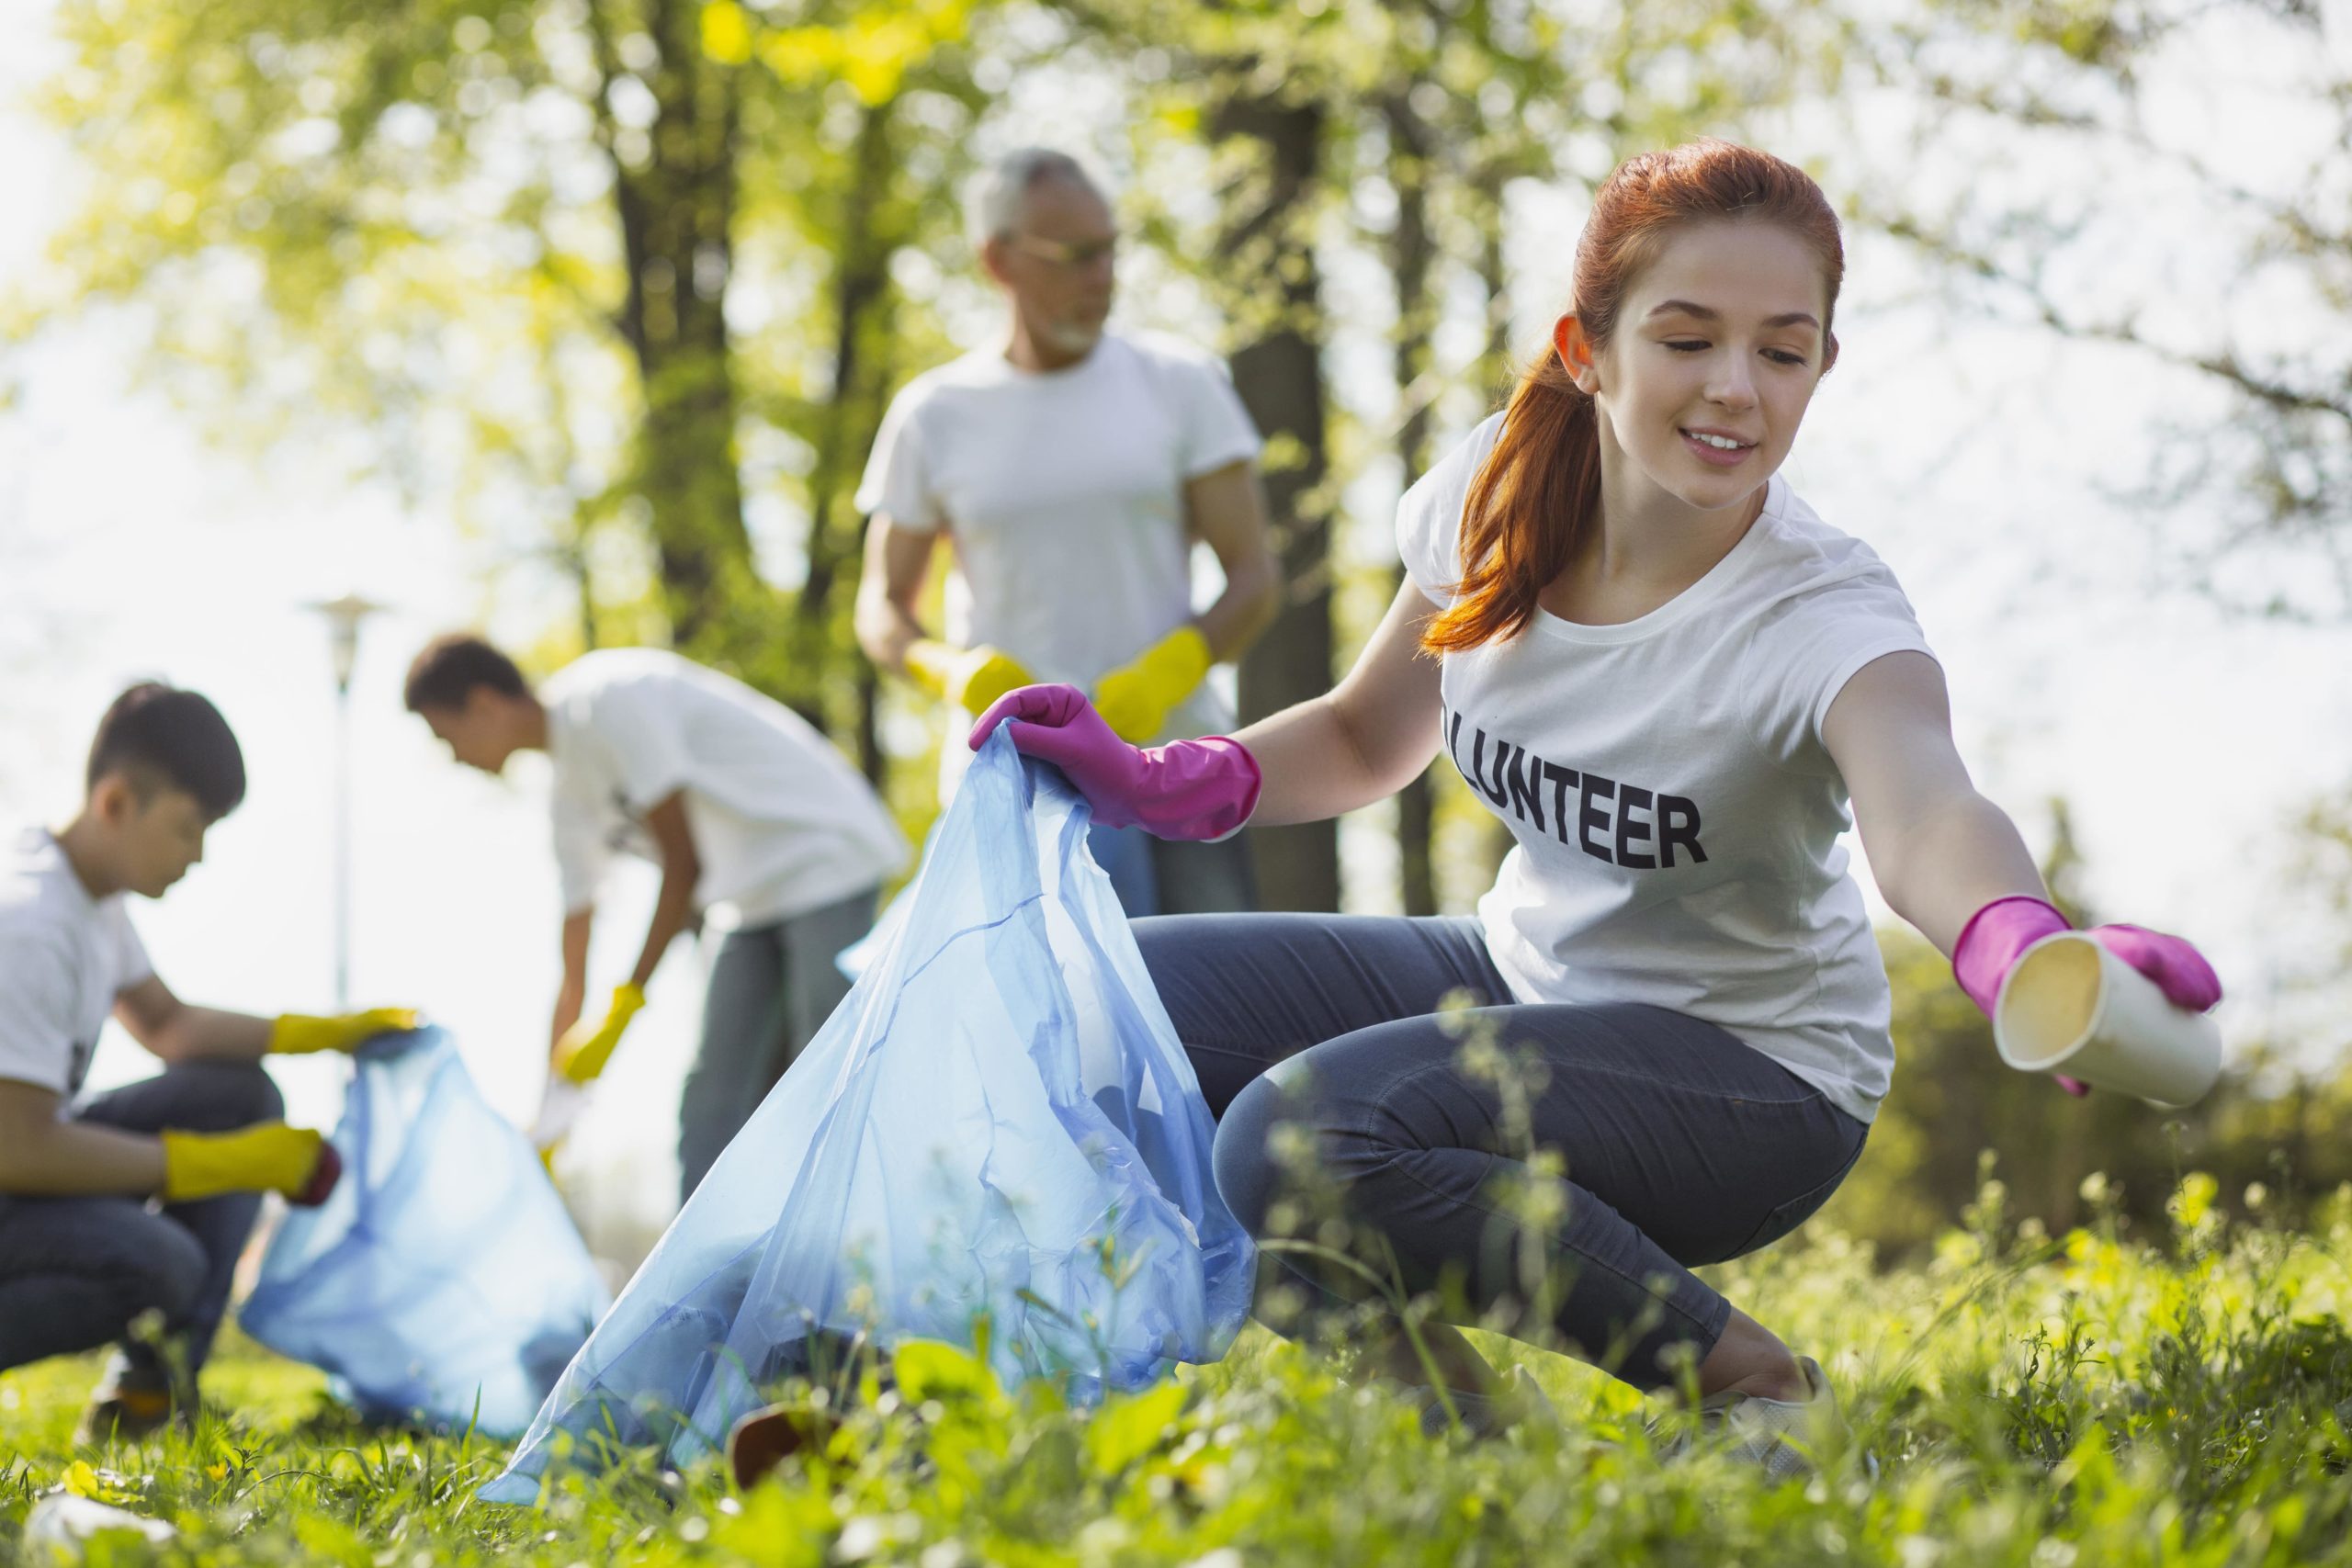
[860,286]
[1411,252]
[1496,370]
[828,665]
[677,211]
[1267,234]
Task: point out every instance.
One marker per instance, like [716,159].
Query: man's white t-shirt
[64,957]
[1063,493]
[782,823]
[1676,811]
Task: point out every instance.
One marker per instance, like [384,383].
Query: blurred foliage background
[626,284]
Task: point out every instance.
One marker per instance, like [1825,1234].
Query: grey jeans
[772,988]
[1679,1143]
[74,1271]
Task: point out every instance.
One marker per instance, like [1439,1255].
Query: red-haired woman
[1669,677]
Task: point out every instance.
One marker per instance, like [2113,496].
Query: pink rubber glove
[1187,789]
[1995,936]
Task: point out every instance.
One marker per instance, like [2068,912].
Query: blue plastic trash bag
[443,1281]
[997,1126]
[1124,853]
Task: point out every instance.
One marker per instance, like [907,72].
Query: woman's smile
[1717,448]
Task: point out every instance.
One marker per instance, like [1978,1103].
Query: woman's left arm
[1941,852]
[1948,860]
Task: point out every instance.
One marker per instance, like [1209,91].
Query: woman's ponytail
[1526,509]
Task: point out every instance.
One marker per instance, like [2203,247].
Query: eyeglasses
[1062,253]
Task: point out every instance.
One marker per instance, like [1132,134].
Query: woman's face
[1714,356]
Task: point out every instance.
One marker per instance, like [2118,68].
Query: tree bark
[1266,234]
[1413,251]
[838,678]
[861,288]
[676,210]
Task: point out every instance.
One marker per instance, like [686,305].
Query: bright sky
[1970,457]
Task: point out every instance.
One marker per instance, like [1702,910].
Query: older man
[1072,466]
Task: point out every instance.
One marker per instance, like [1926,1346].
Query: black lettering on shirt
[1526,783]
[1632,829]
[1506,757]
[1595,788]
[1478,774]
[1614,823]
[1562,780]
[1677,823]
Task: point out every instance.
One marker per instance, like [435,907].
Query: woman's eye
[1686,345]
[1782,356]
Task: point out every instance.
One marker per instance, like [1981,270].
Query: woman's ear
[1829,356]
[1575,349]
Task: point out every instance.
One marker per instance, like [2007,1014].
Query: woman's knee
[1244,1158]
[1274,1142]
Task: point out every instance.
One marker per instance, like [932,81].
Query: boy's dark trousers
[76,1271]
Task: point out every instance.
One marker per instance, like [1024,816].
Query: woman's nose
[1732,385]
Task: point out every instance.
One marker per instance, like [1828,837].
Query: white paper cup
[2069,1006]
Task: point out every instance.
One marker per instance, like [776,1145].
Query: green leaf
[929,1368]
[1127,1430]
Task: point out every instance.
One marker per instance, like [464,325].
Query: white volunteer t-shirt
[781,822]
[64,957]
[1063,493]
[1676,812]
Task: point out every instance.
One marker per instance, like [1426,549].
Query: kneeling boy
[137,1200]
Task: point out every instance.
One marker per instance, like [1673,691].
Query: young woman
[1669,677]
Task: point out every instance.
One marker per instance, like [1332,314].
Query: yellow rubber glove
[297,1033]
[971,678]
[268,1157]
[588,1044]
[1134,699]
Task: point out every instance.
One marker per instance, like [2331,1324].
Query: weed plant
[2105,1396]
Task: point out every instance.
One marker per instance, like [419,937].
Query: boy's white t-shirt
[1676,811]
[782,823]
[64,957]
[1063,493]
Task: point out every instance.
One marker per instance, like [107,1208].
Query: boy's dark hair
[449,667]
[157,735]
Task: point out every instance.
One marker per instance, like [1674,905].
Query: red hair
[1540,487]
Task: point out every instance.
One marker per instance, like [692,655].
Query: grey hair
[992,207]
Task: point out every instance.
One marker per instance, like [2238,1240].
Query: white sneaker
[1785,1437]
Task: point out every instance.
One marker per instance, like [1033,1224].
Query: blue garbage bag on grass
[443,1280]
[996,1127]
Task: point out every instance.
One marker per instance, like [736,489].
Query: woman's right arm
[1361,741]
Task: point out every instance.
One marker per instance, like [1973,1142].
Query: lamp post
[343,616]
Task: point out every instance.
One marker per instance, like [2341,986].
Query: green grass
[2089,1399]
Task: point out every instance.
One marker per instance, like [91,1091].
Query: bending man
[752,816]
